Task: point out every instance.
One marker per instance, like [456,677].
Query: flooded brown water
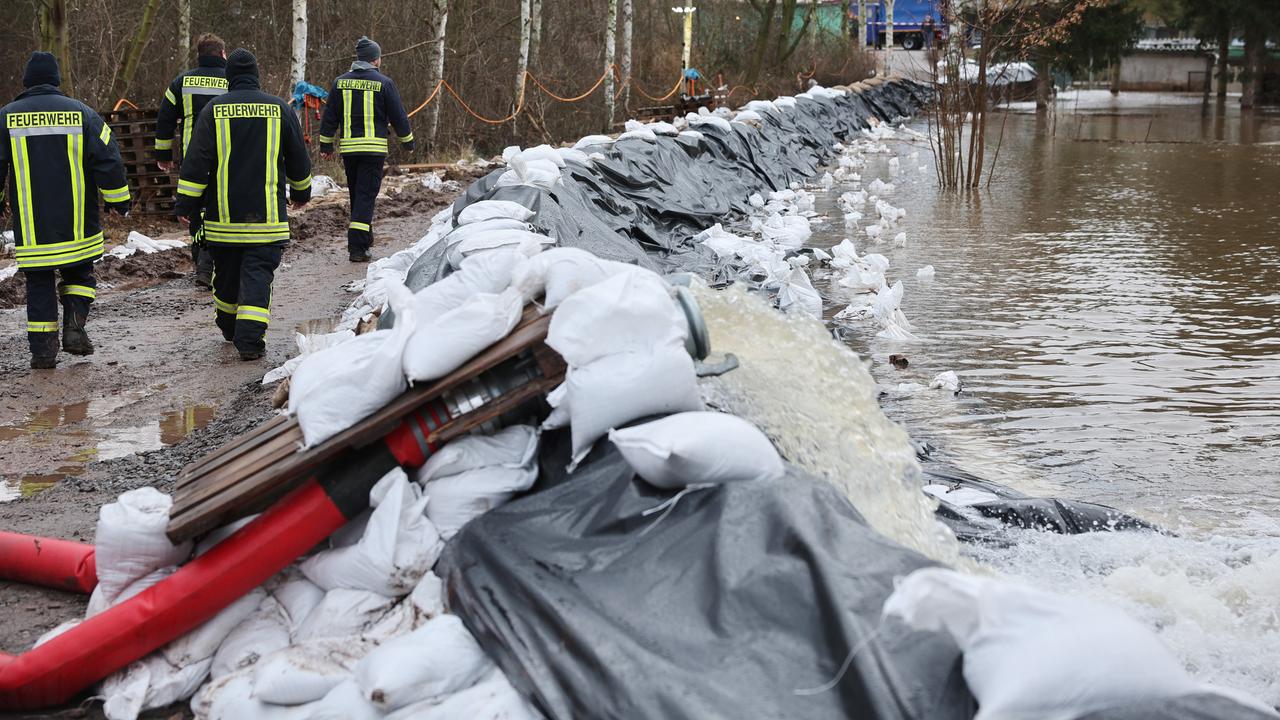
[1112,305]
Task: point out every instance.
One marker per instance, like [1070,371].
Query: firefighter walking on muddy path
[57,156]
[361,104]
[183,100]
[245,147]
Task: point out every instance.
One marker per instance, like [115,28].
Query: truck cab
[910,23]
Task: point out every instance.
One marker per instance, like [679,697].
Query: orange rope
[577,98]
[430,97]
[478,116]
[123,101]
[741,87]
[668,96]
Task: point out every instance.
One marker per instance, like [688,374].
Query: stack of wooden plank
[134,131]
[251,472]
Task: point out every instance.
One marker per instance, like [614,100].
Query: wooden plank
[238,446]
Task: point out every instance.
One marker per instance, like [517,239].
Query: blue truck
[910,23]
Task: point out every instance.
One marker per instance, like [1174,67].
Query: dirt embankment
[163,388]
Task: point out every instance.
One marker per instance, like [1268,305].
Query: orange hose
[123,101]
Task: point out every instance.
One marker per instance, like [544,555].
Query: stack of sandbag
[623,340]
[536,167]
[472,475]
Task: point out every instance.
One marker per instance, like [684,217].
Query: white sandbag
[210,541]
[61,628]
[481,228]
[539,152]
[130,542]
[202,642]
[264,632]
[490,209]
[946,380]
[514,447]
[480,474]
[633,312]
[491,699]
[342,613]
[698,447]
[150,683]
[560,272]
[495,240]
[441,344]
[926,273]
[399,545]
[789,231]
[400,619]
[592,141]
[343,702]
[797,293]
[427,599]
[435,660]
[231,698]
[98,599]
[1033,655]
[614,390]
[335,388]
[541,173]
[297,597]
[307,671]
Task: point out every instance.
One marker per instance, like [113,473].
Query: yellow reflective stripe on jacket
[190,189]
[226,307]
[105,135]
[346,114]
[87,249]
[360,226]
[407,138]
[256,314]
[22,182]
[79,291]
[326,139]
[363,145]
[39,326]
[53,248]
[188,122]
[302,184]
[271,186]
[168,95]
[75,164]
[119,194]
[246,233]
[368,114]
[164,144]
[222,128]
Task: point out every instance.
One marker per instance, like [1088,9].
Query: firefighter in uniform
[57,156]
[245,147]
[186,97]
[362,103]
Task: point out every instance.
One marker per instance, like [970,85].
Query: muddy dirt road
[163,388]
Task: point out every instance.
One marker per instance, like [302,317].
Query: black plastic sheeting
[597,607]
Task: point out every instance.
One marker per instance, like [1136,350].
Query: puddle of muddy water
[70,437]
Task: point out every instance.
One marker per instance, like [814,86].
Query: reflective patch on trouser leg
[257,272]
[42,312]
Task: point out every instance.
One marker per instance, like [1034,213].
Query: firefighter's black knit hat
[42,69]
[241,62]
[367,50]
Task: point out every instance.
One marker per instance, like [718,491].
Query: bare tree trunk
[298,60]
[862,23]
[1254,42]
[184,32]
[610,57]
[535,31]
[55,37]
[133,54]
[844,21]
[888,24]
[522,60]
[766,12]
[440,14]
[1115,76]
[1224,69]
[1044,84]
[628,20]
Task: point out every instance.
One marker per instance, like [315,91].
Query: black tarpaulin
[596,606]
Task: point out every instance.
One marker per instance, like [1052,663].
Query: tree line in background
[113,49]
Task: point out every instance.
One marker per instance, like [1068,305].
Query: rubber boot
[44,352]
[359,256]
[75,339]
[204,266]
[44,362]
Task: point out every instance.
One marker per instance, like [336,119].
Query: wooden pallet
[251,472]
[134,131]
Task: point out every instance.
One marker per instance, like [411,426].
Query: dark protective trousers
[77,291]
[242,278]
[364,180]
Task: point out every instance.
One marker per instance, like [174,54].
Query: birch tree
[298,64]
[439,13]
[844,20]
[184,31]
[610,57]
[862,23]
[628,16]
[522,63]
[535,32]
[888,24]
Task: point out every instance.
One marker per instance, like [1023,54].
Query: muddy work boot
[75,339]
[44,362]
[359,256]
[251,354]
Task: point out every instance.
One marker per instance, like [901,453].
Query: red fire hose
[54,672]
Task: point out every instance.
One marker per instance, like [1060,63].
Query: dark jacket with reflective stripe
[360,106]
[245,146]
[57,156]
[186,97]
